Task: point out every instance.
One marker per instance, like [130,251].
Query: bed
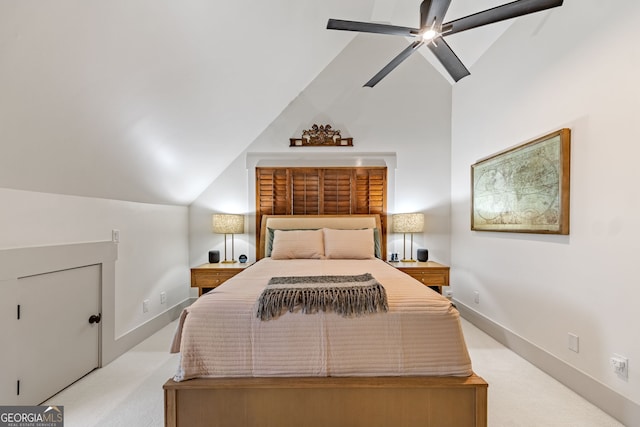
[378,367]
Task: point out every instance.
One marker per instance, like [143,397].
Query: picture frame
[524,189]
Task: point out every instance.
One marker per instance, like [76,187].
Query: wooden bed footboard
[326,402]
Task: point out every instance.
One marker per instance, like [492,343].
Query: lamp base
[408,260]
[228,261]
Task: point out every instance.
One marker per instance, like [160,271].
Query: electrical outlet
[115,235]
[145,306]
[448,293]
[163,297]
[620,365]
[573,342]
[476,297]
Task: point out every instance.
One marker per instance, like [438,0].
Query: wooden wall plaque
[321,136]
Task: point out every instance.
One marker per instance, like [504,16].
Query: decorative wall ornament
[321,136]
[524,189]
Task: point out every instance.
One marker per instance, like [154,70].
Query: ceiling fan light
[429,35]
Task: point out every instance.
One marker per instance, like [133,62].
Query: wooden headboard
[303,222]
[320,191]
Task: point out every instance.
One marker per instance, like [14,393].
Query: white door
[56,342]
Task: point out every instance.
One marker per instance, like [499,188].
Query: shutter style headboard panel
[321,191]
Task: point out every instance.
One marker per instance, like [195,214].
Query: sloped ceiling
[149,101]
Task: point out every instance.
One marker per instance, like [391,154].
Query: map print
[519,190]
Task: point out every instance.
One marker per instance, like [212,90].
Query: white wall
[131,99]
[152,253]
[406,118]
[575,67]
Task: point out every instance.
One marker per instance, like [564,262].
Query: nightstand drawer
[208,276]
[428,273]
[429,278]
[211,279]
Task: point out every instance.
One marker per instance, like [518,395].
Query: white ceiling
[149,101]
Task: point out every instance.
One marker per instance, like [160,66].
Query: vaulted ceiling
[149,101]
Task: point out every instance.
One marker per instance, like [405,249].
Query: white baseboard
[144,331]
[616,405]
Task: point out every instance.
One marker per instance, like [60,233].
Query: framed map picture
[524,189]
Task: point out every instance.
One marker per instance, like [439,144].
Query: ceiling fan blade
[394,63]
[449,59]
[433,10]
[500,13]
[370,27]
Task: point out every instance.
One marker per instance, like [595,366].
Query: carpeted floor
[128,391]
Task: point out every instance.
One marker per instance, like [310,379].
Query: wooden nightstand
[431,273]
[208,276]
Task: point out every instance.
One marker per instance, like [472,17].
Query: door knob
[95,318]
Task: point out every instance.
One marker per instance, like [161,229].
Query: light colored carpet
[128,391]
[521,395]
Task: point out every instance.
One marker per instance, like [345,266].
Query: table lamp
[228,224]
[408,223]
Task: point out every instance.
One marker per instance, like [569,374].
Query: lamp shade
[228,224]
[408,223]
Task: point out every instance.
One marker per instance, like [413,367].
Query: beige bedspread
[221,336]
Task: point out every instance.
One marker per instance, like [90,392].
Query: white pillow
[296,244]
[349,244]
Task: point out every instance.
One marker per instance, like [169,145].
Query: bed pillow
[269,238]
[349,244]
[269,242]
[376,242]
[296,244]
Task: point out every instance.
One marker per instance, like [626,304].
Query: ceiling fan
[432,31]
